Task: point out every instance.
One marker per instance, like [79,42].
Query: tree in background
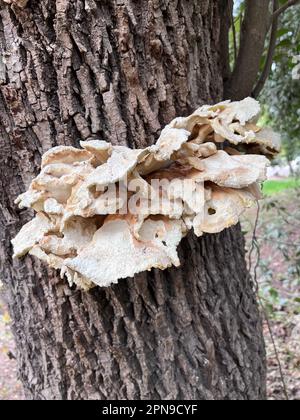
[281,95]
[120,71]
[278,83]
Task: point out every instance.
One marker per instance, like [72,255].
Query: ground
[278,275]
[277,258]
[276,186]
[10,387]
[287,338]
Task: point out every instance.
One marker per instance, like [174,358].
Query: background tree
[278,83]
[120,71]
[281,95]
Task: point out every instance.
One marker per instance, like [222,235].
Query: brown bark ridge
[119,70]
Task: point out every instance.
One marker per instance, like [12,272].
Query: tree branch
[282,9]
[253,35]
[277,11]
[269,60]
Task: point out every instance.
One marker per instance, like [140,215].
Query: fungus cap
[108,212]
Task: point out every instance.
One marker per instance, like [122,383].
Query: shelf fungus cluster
[108,212]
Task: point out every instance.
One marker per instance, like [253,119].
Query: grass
[276,186]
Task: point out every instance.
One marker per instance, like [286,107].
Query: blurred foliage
[281,96]
[277,258]
[280,270]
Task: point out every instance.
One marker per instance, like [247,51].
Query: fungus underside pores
[104,213]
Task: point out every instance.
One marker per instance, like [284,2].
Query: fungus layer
[108,212]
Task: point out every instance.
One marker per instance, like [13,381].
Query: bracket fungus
[107,212]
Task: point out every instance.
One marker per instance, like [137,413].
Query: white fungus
[107,212]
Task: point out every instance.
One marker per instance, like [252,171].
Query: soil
[10,386]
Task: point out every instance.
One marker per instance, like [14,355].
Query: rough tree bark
[119,70]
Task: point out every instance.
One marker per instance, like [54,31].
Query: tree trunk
[119,71]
